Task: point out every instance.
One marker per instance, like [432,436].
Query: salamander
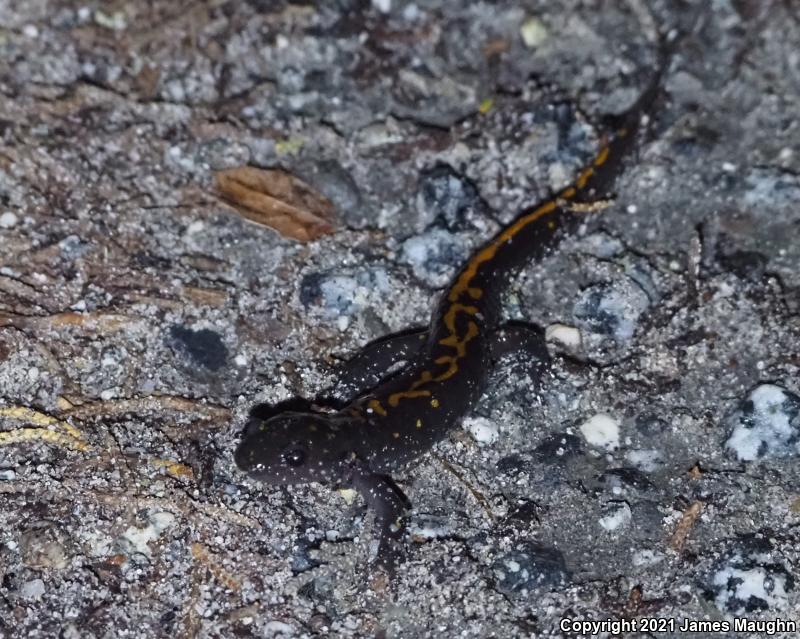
[380,431]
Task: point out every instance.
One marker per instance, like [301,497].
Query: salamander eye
[295,457]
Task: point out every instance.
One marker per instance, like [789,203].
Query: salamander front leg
[373,364]
[526,342]
[390,505]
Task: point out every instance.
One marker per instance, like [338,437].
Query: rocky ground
[653,473]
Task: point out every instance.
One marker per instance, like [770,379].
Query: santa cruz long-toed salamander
[407,413]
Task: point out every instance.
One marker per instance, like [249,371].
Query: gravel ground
[653,474]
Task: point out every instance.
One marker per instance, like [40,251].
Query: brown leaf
[146,81]
[277,199]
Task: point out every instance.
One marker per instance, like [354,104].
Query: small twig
[690,516]
[44,429]
[104,322]
[150,404]
[479,497]
[174,469]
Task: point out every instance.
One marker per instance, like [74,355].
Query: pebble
[750,579]
[411,12]
[568,336]
[623,480]
[611,309]
[558,447]
[603,245]
[651,425]
[766,425]
[439,101]
[771,187]
[138,539]
[342,293]
[8,220]
[446,197]
[646,557]
[301,560]
[204,347]
[533,33]
[73,247]
[434,256]
[195,227]
[44,546]
[275,628]
[115,21]
[512,465]
[617,516]
[32,590]
[601,431]
[384,6]
[425,527]
[646,460]
[528,567]
[319,623]
[484,431]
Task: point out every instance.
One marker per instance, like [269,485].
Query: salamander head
[292,448]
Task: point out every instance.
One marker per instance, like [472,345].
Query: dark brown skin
[403,417]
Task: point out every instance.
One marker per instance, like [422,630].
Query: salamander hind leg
[390,506]
[525,342]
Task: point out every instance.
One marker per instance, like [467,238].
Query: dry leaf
[146,82]
[275,198]
[695,472]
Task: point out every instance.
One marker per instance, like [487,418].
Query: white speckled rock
[601,431]
[482,430]
[766,426]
